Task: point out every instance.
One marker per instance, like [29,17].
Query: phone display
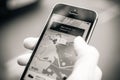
[55,56]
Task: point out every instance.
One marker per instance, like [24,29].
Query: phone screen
[55,56]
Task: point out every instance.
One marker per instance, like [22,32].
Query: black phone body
[54,56]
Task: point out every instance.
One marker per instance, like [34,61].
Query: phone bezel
[41,36]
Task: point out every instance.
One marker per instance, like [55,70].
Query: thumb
[85,66]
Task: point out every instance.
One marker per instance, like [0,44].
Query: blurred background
[20,19]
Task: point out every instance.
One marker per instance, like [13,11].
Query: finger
[98,73]
[85,66]
[84,50]
[23,59]
[13,70]
[30,43]
[80,46]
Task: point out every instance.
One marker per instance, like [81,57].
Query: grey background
[30,24]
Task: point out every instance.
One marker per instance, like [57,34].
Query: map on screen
[55,56]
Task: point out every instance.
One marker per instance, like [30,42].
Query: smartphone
[54,56]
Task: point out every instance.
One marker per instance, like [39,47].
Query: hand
[85,67]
